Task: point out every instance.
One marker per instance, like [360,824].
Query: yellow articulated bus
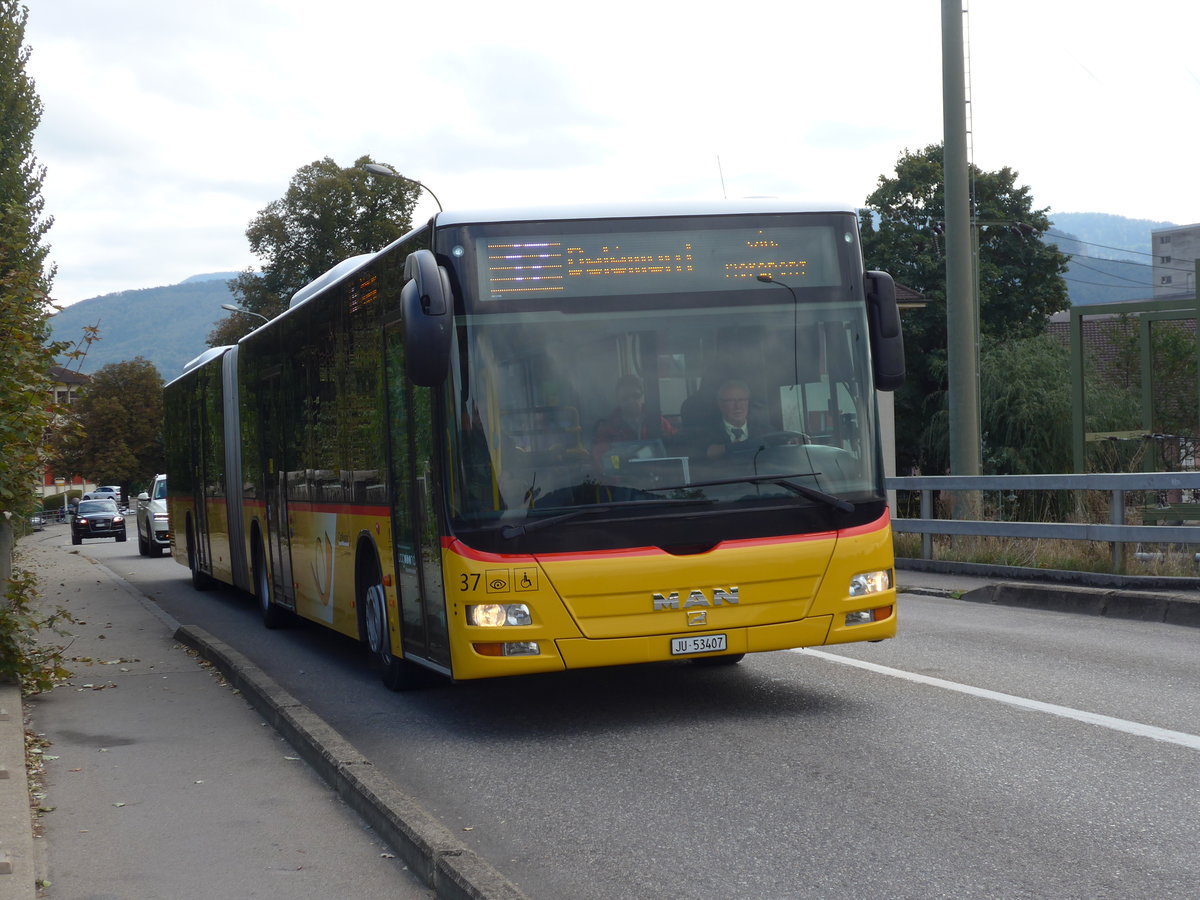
[529,441]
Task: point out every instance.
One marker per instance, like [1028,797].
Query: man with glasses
[735,428]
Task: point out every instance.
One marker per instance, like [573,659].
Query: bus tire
[731,659]
[273,615]
[396,674]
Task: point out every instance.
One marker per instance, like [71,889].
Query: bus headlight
[870,582]
[496,615]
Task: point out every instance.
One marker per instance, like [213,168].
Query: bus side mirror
[887,341]
[427,308]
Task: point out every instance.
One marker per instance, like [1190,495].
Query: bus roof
[632,210]
[638,210]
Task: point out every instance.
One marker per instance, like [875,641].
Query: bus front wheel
[397,674]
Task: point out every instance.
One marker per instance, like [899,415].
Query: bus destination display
[591,265]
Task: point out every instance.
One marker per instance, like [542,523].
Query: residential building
[64,386]
[1174,266]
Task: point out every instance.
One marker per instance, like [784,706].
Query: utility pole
[961,314]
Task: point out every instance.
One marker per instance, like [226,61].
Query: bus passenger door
[279,536]
[198,442]
[417,541]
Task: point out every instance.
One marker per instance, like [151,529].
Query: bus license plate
[708,643]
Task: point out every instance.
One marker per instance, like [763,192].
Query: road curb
[18,866]
[431,851]
[1142,606]
[1049,577]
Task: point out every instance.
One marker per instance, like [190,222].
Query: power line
[1162,267]
[1119,287]
[1110,274]
[1071,237]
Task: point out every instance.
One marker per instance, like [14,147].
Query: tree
[1019,277]
[24,309]
[113,433]
[327,215]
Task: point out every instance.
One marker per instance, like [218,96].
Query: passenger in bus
[628,421]
[731,429]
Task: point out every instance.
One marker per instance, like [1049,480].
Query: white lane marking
[1136,728]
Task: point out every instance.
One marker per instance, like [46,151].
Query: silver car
[153,526]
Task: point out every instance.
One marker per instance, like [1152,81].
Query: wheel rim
[377,630]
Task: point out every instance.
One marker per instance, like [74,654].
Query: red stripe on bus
[454,545]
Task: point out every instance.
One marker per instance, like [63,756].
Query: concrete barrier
[1142,606]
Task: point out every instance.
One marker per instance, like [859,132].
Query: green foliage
[113,432]
[1019,277]
[24,286]
[35,664]
[24,307]
[1025,397]
[327,215]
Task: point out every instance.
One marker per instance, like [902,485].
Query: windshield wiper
[838,503]
[784,482]
[508,532]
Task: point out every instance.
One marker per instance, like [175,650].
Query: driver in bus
[732,429]
[628,421]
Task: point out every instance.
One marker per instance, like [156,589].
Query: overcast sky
[168,126]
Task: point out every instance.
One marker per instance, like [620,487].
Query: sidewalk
[159,779]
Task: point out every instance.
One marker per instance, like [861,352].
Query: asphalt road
[988,752]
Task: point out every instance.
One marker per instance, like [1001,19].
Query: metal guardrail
[1116,532]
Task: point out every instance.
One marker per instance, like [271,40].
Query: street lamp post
[389,172]
[962,353]
[244,312]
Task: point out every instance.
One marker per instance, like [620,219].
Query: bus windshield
[687,370]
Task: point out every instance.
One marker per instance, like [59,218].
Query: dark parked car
[97,519]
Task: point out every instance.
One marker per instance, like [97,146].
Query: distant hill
[166,325]
[1111,256]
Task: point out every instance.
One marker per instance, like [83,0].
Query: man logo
[695,598]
